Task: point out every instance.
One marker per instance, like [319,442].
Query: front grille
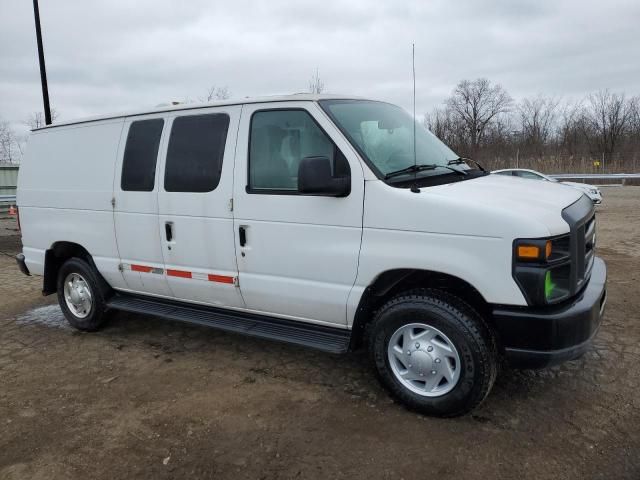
[589,245]
[585,235]
[582,224]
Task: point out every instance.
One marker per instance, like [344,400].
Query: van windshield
[383,134]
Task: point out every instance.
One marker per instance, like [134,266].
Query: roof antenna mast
[414,187]
[43,70]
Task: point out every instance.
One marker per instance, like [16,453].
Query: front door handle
[168,230]
[242,233]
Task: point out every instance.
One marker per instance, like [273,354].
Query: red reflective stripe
[183,274]
[220,278]
[141,268]
[178,273]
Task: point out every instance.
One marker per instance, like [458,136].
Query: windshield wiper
[420,168]
[461,160]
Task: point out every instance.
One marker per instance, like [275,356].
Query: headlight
[542,268]
[556,283]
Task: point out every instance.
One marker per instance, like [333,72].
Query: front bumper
[540,337]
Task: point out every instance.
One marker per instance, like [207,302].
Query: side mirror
[314,178]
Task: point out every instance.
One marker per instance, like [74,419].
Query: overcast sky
[108,56]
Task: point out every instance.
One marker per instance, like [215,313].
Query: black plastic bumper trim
[539,337]
[518,358]
[22,265]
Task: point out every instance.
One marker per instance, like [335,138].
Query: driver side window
[279,140]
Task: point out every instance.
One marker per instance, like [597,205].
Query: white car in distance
[589,190]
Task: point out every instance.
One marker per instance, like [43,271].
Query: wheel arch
[390,283]
[54,258]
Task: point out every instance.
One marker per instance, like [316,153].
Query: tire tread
[474,328]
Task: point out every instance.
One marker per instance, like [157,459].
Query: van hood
[539,202]
[491,206]
[517,192]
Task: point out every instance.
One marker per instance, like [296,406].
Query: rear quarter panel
[65,187]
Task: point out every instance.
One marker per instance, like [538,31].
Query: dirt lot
[145,398]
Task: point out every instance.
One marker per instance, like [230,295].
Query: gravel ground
[146,398]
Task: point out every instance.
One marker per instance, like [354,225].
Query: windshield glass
[383,134]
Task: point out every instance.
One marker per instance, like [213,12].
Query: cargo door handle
[168,230]
[242,233]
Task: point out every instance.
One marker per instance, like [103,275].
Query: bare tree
[537,119]
[499,132]
[440,123]
[571,126]
[608,115]
[10,151]
[316,85]
[444,125]
[478,120]
[634,120]
[36,119]
[216,93]
[477,103]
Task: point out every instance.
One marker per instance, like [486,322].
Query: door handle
[168,230]
[242,233]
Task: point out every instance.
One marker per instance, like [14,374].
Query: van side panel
[201,221]
[136,224]
[64,193]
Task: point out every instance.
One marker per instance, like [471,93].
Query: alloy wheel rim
[424,360]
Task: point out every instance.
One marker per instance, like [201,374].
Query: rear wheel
[80,296]
[433,352]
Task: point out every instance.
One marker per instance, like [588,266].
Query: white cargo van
[319,221]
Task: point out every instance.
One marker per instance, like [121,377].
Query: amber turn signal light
[528,252]
[534,252]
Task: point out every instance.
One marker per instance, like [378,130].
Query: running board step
[333,340]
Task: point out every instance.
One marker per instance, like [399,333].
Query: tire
[87,285]
[455,329]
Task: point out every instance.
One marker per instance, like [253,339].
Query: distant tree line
[480,119]
[598,132]
[11,143]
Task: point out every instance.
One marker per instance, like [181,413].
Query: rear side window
[195,152]
[140,155]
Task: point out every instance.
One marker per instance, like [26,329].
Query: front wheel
[79,295]
[433,352]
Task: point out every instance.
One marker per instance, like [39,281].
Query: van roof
[296,97]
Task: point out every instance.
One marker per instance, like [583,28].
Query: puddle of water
[49,316]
